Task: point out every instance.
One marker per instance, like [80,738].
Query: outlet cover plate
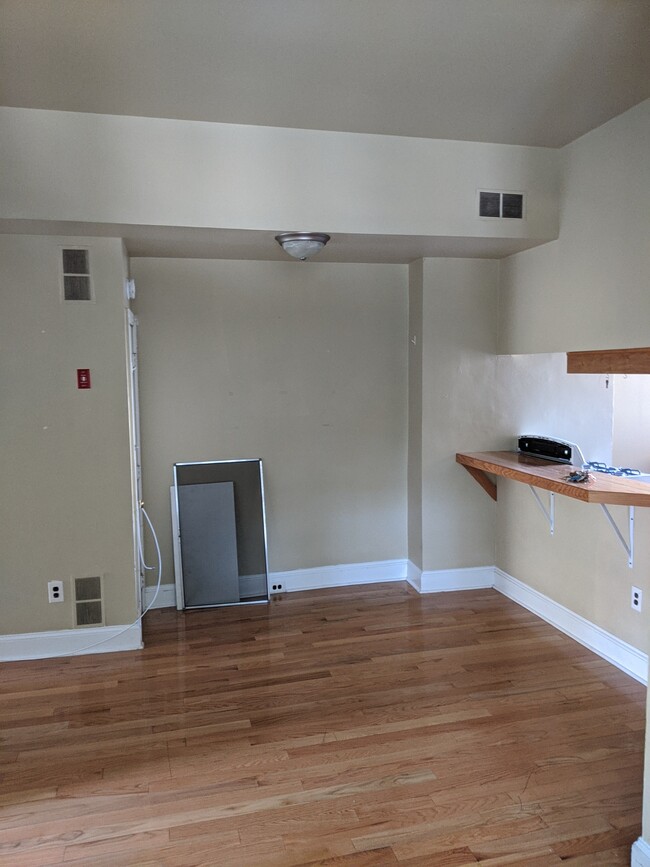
[55,591]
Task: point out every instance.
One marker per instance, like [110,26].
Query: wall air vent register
[501,205]
[76,274]
[88,604]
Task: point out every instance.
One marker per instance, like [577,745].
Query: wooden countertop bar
[609,490]
[609,361]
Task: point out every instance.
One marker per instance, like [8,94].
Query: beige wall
[65,509]
[598,271]
[416,272]
[583,565]
[588,289]
[458,386]
[631,444]
[136,170]
[301,364]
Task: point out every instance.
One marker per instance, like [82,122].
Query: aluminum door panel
[208,537]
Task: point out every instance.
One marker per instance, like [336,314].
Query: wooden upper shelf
[609,361]
[610,490]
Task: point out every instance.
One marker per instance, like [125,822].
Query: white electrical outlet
[55,591]
[636,599]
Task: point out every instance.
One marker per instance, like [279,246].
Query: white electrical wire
[155,540]
[137,619]
[140,551]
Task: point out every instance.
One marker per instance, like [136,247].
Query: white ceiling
[531,72]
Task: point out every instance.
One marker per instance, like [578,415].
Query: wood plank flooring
[364,726]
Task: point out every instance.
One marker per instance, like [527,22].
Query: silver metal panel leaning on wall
[219,533]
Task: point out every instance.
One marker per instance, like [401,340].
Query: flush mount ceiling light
[302,245]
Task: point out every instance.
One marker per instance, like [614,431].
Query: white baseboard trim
[344,575]
[414,575]
[166,597]
[640,853]
[625,657]
[70,642]
[447,580]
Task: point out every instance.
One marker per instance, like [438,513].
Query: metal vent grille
[501,205]
[76,274]
[88,601]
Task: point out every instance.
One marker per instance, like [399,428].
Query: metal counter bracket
[549,513]
[510,465]
[629,549]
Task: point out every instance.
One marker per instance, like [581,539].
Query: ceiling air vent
[76,274]
[501,205]
[88,605]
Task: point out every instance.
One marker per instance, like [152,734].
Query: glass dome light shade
[302,245]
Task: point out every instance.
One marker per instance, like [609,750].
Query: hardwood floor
[360,727]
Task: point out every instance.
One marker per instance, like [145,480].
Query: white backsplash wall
[535,395]
[632,421]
